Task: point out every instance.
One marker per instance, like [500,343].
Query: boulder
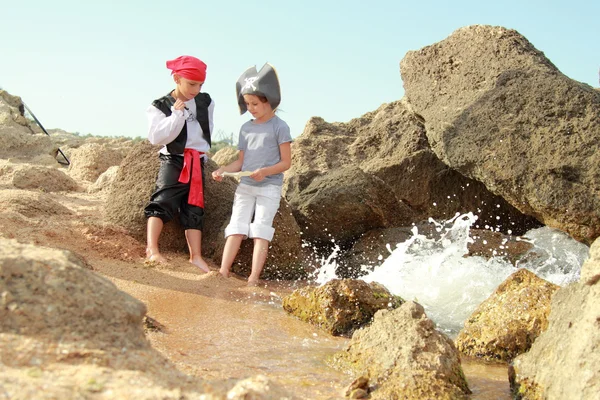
[19,143]
[46,179]
[91,160]
[403,356]
[31,204]
[226,155]
[499,112]
[508,322]
[564,362]
[74,334]
[378,172]
[104,181]
[135,182]
[341,305]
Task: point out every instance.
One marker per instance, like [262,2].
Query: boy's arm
[162,129]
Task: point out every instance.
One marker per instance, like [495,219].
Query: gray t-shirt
[260,144]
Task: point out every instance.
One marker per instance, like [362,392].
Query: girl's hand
[258,175]
[179,105]
[218,175]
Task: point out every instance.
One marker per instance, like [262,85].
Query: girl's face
[187,88]
[260,110]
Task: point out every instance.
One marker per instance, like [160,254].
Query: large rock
[378,172]
[46,179]
[226,155]
[19,142]
[404,357]
[31,204]
[74,334]
[508,322]
[564,362]
[135,182]
[498,111]
[285,258]
[90,160]
[341,305]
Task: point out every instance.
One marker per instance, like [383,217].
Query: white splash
[435,273]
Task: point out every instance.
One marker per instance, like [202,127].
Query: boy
[181,121]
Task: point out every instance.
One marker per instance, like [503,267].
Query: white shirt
[163,130]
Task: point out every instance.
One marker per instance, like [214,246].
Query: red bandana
[188,67]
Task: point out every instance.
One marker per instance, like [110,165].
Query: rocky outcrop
[28,176]
[19,142]
[104,181]
[378,172]
[403,356]
[508,322]
[90,160]
[371,249]
[74,333]
[226,155]
[31,204]
[564,362]
[340,306]
[499,112]
[135,182]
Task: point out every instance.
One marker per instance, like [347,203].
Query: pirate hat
[262,83]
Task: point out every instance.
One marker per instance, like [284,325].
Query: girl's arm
[234,166]
[285,150]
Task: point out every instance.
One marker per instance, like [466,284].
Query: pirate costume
[256,203]
[185,136]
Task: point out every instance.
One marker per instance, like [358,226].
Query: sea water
[450,286]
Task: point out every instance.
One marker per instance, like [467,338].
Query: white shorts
[262,202]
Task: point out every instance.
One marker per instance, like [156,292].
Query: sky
[93,67]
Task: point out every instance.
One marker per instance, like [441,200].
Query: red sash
[192,166]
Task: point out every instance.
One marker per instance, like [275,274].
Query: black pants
[171,196]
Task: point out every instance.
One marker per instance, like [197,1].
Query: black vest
[203,100]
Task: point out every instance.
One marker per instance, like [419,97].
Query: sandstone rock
[135,182]
[18,139]
[31,204]
[564,362]
[226,155]
[105,180]
[74,334]
[340,306]
[285,259]
[47,179]
[47,293]
[90,160]
[404,357]
[370,250]
[257,388]
[508,322]
[387,152]
[497,111]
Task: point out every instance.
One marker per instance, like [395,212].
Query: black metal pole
[37,121]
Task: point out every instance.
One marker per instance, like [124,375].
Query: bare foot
[225,273]
[252,282]
[200,263]
[155,257]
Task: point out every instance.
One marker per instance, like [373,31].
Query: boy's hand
[179,105]
[218,175]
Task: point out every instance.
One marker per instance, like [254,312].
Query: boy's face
[188,89]
[256,107]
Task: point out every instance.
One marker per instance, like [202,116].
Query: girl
[264,146]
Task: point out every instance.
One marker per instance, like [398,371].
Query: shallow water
[223,330]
